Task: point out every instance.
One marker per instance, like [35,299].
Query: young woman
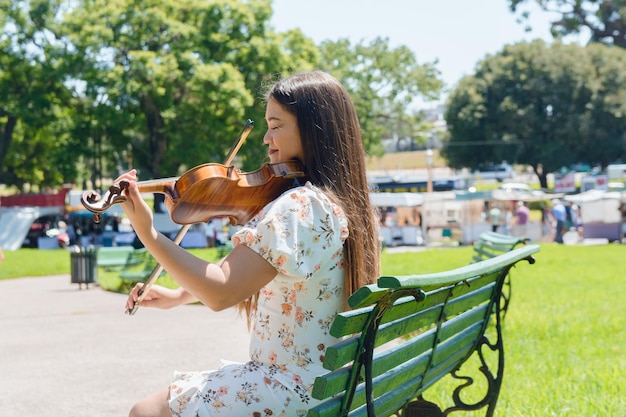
[291,268]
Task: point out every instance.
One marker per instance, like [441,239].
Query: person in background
[210,232]
[622,210]
[291,267]
[521,218]
[507,220]
[558,214]
[577,223]
[546,223]
[494,216]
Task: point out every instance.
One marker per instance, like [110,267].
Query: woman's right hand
[157,296]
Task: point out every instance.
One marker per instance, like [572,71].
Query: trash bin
[84,266]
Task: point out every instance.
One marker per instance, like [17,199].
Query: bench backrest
[115,254]
[406,333]
[490,244]
[137,256]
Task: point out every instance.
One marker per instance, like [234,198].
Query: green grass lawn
[564,334]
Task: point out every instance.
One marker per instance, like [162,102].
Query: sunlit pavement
[66,352]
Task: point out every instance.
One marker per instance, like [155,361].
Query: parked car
[499,172]
[520,188]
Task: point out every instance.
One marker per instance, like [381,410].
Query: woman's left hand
[135,207]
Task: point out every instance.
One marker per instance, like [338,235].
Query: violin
[210,190]
[206,191]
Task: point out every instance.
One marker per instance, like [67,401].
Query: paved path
[66,352]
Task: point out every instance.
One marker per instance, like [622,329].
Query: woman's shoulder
[307,198]
[306,191]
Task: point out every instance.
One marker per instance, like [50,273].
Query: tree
[605,20]
[606,142]
[34,101]
[176,80]
[383,83]
[538,105]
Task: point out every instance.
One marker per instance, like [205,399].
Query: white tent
[593,195]
[600,213]
[396,199]
[15,223]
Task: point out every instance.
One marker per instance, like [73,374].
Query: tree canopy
[383,83]
[605,20]
[92,87]
[546,106]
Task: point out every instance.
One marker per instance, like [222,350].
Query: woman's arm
[238,276]
[159,297]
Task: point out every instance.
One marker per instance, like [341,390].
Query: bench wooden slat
[511,241]
[146,264]
[335,382]
[465,301]
[343,352]
[114,257]
[457,347]
[405,317]
[388,403]
[482,252]
[397,377]
[415,371]
[490,244]
[352,321]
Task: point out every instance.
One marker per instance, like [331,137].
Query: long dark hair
[334,160]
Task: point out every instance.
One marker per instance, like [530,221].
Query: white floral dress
[301,234]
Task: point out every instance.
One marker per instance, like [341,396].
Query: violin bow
[156,272]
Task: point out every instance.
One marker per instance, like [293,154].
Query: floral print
[301,234]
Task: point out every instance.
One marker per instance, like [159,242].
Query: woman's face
[283,136]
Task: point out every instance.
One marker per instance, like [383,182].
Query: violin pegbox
[98,205]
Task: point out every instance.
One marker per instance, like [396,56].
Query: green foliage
[383,82]
[545,106]
[605,20]
[33,97]
[171,73]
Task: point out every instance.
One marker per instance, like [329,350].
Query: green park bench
[491,244]
[114,257]
[139,268]
[405,333]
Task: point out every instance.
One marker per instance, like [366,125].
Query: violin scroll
[98,205]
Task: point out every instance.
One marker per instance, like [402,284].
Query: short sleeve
[297,233]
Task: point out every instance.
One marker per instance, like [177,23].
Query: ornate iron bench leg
[422,408]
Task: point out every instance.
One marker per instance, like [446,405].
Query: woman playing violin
[291,268]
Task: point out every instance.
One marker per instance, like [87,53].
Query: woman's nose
[266,137]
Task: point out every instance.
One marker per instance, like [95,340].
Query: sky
[456,33]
